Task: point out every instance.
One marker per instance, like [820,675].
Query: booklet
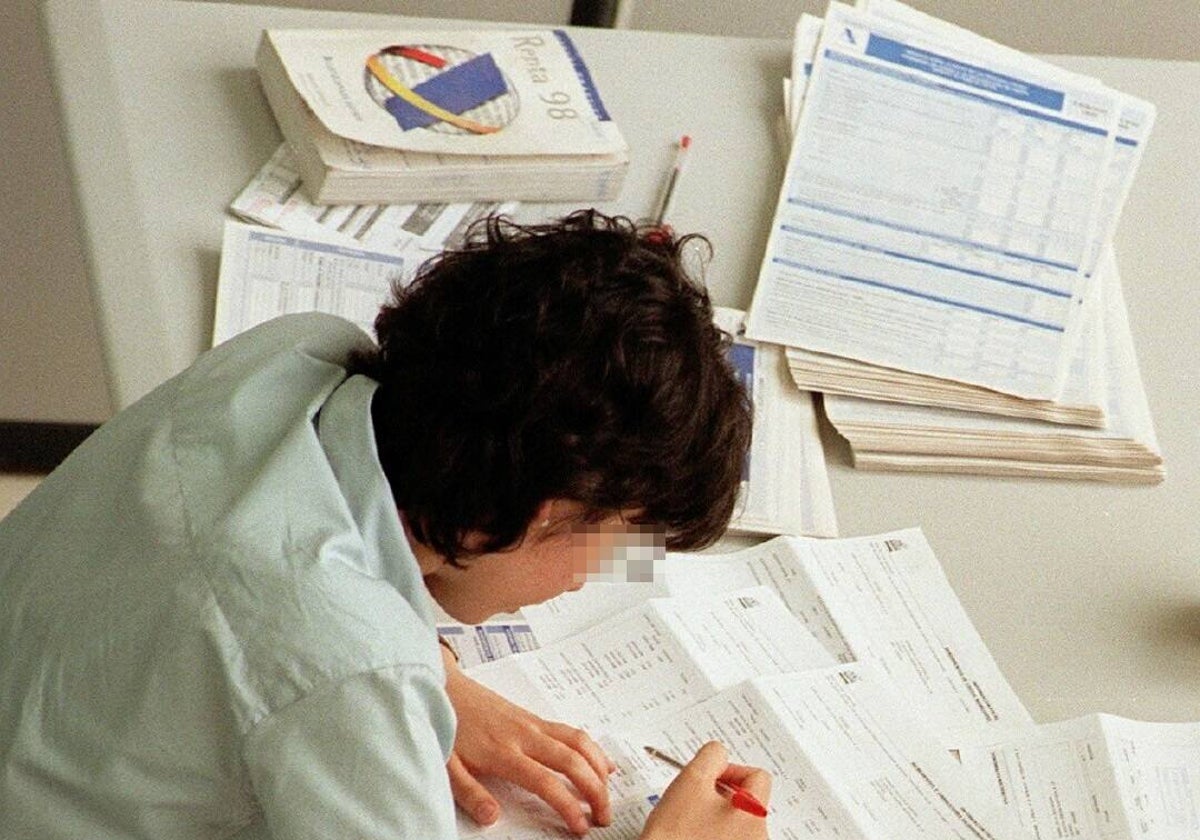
[399,116]
[461,91]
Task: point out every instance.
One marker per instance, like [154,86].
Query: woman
[217,611]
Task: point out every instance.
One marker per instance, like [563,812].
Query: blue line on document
[842,58]
[1042,325]
[872,220]
[862,246]
[323,247]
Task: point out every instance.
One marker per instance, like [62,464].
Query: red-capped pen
[668,193]
[739,797]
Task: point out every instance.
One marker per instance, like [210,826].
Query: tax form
[273,198]
[574,612]
[266,273]
[785,483]
[1081,402]
[475,644]
[1098,777]
[1135,116]
[939,211]
[881,600]
[1127,445]
[655,659]
[847,759]
[884,601]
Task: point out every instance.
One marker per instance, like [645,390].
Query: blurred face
[559,553]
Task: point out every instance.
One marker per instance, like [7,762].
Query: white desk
[1089,596]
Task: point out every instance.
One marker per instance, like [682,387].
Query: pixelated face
[615,551]
[560,552]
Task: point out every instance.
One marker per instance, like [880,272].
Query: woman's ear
[542,517]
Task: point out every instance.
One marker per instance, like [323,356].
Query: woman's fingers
[709,764]
[558,763]
[691,807]
[588,773]
[751,779]
[470,795]
[548,786]
[582,743]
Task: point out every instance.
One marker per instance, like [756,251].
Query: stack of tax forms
[784,487]
[940,264]
[385,117]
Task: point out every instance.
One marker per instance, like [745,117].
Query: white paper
[937,215]
[773,563]
[881,600]
[273,198]
[266,273]
[1098,777]
[848,759]
[884,601]
[785,484]
[656,659]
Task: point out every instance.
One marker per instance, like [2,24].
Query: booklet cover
[494,92]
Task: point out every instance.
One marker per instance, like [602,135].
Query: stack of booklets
[849,670]
[940,265]
[385,117]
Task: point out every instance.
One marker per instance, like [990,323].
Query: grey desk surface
[1088,595]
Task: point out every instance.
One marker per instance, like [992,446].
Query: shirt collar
[348,438]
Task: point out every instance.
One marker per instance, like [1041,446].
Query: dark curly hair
[571,360]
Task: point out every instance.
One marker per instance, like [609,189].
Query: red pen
[668,193]
[739,797]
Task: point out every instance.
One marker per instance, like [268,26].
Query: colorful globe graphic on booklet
[439,88]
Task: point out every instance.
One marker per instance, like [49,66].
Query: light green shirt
[210,617]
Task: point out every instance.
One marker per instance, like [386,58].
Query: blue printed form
[943,209]
[475,644]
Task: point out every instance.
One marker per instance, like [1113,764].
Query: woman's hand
[692,809]
[497,738]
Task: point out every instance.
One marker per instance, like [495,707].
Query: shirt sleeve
[362,759]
